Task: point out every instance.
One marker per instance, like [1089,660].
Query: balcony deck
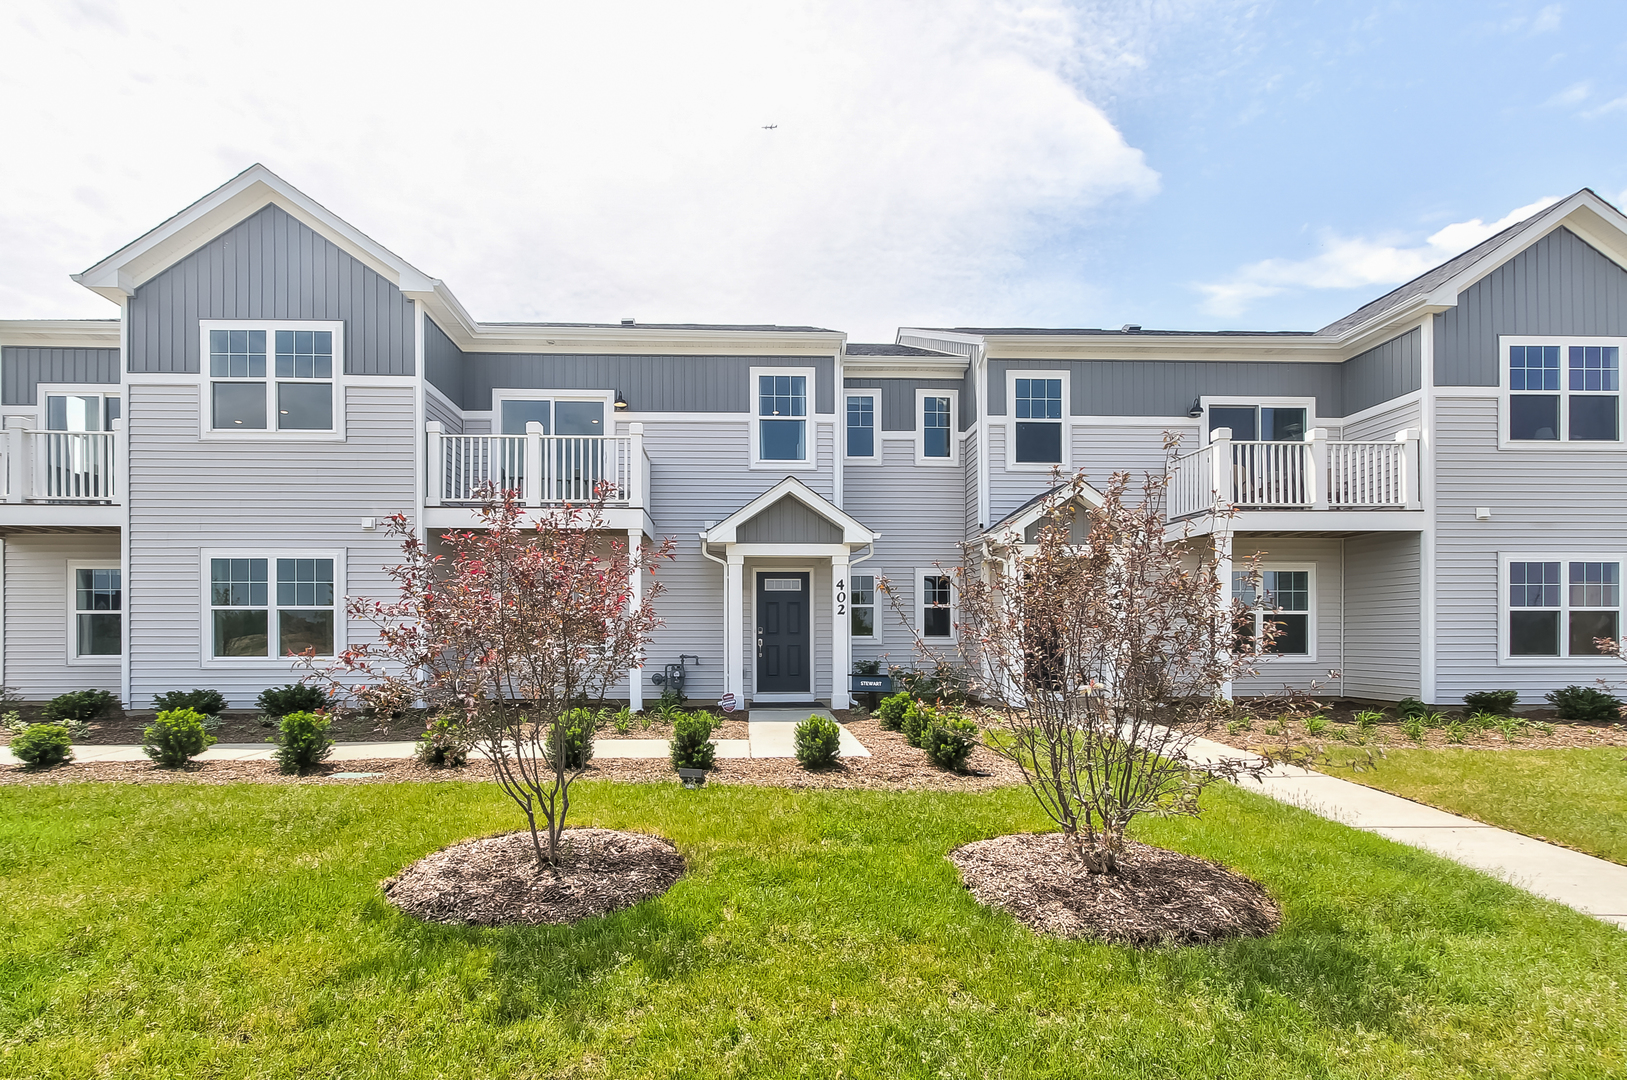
[59,479]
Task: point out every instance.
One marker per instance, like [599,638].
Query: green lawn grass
[192,931]
[1573,797]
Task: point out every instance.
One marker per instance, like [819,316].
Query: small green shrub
[41,745]
[890,713]
[570,740]
[867,667]
[176,736]
[945,683]
[1413,727]
[949,742]
[1316,725]
[445,743]
[302,741]
[818,742]
[692,745]
[279,701]
[1411,706]
[918,718]
[78,706]
[1494,702]
[210,703]
[1585,705]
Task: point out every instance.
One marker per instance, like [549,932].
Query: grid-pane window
[935,433]
[863,605]
[238,595]
[782,400]
[1595,606]
[861,426]
[305,606]
[937,620]
[1037,408]
[98,612]
[298,395]
[1280,598]
[245,598]
[1564,393]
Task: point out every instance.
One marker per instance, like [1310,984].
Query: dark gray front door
[783,655]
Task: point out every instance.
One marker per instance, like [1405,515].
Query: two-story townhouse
[193,488]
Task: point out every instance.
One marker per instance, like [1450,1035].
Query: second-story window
[271,379]
[1564,393]
[935,431]
[861,425]
[782,409]
[1038,413]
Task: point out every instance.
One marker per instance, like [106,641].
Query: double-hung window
[862,604]
[936,606]
[98,612]
[782,425]
[1281,598]
[1558,607]
[861,426]
[1564,391]
[935,420]
[272,377]
[1037,414]
[253,614]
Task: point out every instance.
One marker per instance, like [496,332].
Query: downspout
[725,599]
[1344,622]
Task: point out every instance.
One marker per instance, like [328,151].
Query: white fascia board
[906,367]
[941,335]
[61,333]
[121,273]
[853,532]
[1150,346]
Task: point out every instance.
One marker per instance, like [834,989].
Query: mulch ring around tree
[1158,897]
[494,881]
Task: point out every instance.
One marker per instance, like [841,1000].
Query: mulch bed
[495,881]
[1390,736]
[1158,897]
[732,728]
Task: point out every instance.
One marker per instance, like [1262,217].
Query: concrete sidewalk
[1594,886]
[773,733]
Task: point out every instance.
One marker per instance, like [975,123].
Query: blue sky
[1178,163]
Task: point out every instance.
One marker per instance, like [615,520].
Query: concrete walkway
[1594,886]
[773,733]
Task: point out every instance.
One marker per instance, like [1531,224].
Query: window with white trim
[81,411]
[935,606]
[1558,607]
[1281,598]
[1262,423]
[1564,391]
[98,612]
[935,412]
[862,605]
[861,425]
[250,619]
[271,378]
[1037,411]
[782,426]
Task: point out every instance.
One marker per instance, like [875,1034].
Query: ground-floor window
[1281,598]
[249,619]
[1560,606]
[862,605]
[936,604]
[98,612]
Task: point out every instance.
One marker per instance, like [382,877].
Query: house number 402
[841,597]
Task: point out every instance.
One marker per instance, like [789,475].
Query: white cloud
[1574,94]
[1613,105]
[1353,262]
[1547,19]
[588,161]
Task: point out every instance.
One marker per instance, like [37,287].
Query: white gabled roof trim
[61,333]
[852,531]
[245,194]
[1088,496]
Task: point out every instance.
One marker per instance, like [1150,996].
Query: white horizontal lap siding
[39,630]
[1382,425]
[1381,619]
[1286,671]
[187,495]
[920,512]
[1541,501]
[436,408]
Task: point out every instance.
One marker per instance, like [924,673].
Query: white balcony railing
[547,470]
[59,466]
[1312,475]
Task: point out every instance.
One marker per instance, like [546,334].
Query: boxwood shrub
[302,742]
[279,701]
[1585,705]
[78,706]
[949,742]
[818,742]
[692,745]
[41,745]
[210,703]
[175,736]
[890,713]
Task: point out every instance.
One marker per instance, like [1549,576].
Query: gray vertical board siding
[444,363]
[920,512]
[1299,674]
[705,384]
[270,266]
[24,367]
[897,399]
[39,628]
[1536,500]
[186,495]
[1381,617]
[1383,372]
[788,521]
[1382,426]
[1168,387]
[1559,285]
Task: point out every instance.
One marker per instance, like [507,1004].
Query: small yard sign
[726,703]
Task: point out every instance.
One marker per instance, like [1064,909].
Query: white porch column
[1220,459]
[841,640]
[533,489]
[733,601]
[635,676]
[20,452]
[434,462]
[1318,480]
[1223,568]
